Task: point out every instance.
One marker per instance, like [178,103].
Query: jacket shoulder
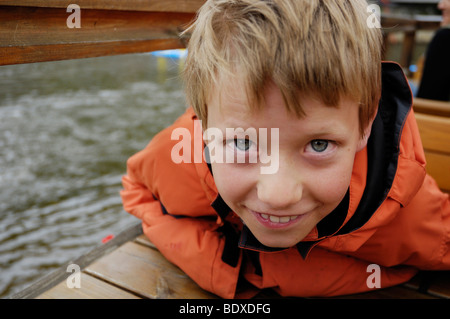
[172,177]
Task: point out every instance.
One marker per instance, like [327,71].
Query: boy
[349,192]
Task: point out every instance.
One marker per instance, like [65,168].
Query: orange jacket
[394,216]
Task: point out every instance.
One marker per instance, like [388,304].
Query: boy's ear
[363,140]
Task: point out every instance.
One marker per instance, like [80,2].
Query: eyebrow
[335,131]
[236,123]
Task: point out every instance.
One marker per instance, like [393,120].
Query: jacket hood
[387,150]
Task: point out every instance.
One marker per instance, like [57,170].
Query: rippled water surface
[66,131]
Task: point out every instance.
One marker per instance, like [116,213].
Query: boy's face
[316,155]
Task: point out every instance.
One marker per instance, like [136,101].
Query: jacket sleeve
[176,214]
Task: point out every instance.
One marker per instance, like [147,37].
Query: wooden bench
[431,107]
[433,119]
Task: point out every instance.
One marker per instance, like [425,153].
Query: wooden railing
[433,120]
[426,106]
[409,26]
[38,30]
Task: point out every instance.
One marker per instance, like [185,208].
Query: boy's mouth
[276,222]
[278,219]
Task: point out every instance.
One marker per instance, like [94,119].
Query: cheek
[334,190]
[230,182]
[331,187]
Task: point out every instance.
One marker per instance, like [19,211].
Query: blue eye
[242,144]
[319,145]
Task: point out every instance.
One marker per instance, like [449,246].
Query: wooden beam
[30,34]
[408,25]
[435,133]
[60,275]
[433,107]
[395,23]
[188,6]
[43,53]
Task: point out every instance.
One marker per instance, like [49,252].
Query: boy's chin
[280,242]
[279,237]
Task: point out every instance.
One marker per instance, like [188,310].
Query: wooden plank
[43,26]
[145,272]
[90,288]
[434,283]
[435,132]
[393,23]
[43,53]
[60,275]
[409,41]
[440,284]
[432,107]
[41,34]
[438,166]
[396,292]
[129,5]
[428,22]
[396,22]
[143,240]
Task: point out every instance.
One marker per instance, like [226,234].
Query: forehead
[229,107]
[229,90]
[230,96]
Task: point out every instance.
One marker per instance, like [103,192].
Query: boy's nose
[280,190]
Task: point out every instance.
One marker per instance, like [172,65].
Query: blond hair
[320,46]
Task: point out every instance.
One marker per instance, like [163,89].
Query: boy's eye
[242,144]
[319,145]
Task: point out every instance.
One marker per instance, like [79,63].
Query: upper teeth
[276,219]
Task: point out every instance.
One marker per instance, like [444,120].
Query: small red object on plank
[107,238]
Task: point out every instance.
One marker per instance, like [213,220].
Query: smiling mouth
[278,219]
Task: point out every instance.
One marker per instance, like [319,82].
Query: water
[66,131]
